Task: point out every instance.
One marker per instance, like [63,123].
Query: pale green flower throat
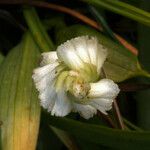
[76,82]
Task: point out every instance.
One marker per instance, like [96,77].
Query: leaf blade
[19,106]
[65,138]
[102,135]
[38,31]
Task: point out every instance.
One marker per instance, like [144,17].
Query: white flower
[70,79]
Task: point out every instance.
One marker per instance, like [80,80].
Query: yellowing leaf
[19,105]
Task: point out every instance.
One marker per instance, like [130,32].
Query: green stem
[116,108]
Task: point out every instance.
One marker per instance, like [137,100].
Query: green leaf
[47,139]
[19,105]
[84,145]
[120,65]
[44,42]
[38,31]
[65,138]
[114,138]
[124,9]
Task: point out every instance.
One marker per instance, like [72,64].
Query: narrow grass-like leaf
[38,31]
[47,139]
[114,138]
[45,43]
[124,9]
[100,19]
[19,105]
[131,125]
[65,138]
[120,64]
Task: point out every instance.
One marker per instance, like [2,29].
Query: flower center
[80,89]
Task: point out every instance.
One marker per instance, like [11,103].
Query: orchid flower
[69,79]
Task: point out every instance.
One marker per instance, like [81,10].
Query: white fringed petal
[92,44]
[82,49]
[102,94]
[80,45]
[48,57]
[86,111]
[62,105]
[62,90]
[105,88]
[42,74]
[101,104]
[44,78]
[47,98]
[66,53]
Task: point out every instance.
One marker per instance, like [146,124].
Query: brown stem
[116,108]
[118,114]
[107,118]
[126,44]
[74,13]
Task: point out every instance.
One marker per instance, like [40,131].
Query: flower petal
[80,44]
[44,78]
[42,74]
[105,88]
[47,97]
[85,57]
[101,104]
[62,104]
[66,53]
[86,111]
[92,44]
[80,50]
[48,57]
